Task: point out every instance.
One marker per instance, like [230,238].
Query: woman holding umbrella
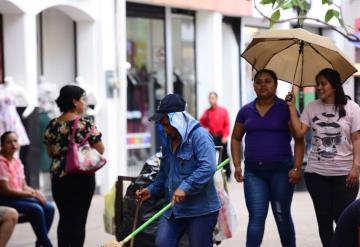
[332,171]
[270,168]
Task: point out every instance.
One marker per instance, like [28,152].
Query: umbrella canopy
[296,55]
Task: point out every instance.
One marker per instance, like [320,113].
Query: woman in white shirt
[332,171]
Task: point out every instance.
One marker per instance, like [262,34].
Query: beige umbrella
[296,55]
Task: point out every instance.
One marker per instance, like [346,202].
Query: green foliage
[302,13]
[301,7]
[275,17]
[330,14]
[288,5]
[264,2]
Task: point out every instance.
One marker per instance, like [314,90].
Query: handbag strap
[74,127]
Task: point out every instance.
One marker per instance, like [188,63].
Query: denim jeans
[40,216]
[199,230]
[264,184]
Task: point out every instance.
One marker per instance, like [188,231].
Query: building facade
[127,55]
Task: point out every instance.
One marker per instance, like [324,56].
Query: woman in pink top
[332,171]
[15,193]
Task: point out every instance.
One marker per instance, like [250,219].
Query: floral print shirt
[57,136]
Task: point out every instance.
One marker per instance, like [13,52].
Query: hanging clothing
[10,119]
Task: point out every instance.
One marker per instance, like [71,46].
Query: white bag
[227,221]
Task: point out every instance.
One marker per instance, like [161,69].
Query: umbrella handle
[301,52]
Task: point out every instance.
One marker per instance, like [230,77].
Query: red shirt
[216,120]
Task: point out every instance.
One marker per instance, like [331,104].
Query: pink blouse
[12,172]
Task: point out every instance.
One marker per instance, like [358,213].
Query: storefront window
[183,49]
[146,86]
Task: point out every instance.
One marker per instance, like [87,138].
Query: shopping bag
[227,221]
[109,211]
[82,158]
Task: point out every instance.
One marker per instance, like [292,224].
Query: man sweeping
[185,177]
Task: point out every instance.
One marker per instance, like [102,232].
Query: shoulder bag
[82,158]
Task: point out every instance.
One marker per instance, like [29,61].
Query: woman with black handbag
[72,192]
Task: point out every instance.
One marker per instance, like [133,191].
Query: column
[208,56]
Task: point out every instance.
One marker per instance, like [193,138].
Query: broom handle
[145,224]
[159,213]
[138,205]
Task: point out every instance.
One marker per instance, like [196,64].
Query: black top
[346,232]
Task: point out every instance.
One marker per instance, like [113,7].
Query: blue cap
[170,103]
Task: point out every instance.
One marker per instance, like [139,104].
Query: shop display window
[146,85]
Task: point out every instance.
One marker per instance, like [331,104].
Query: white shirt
[331,153]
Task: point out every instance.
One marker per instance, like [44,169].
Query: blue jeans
[40,216]
[199,229]
[264,183]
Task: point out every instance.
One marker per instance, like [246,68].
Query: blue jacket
[190,168]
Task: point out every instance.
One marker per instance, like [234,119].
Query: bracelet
[296,169]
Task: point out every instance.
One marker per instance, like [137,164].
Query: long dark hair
[67,94]
[340,98]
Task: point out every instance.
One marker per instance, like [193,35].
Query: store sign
[138,140]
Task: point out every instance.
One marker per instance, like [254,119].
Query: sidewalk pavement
[302,211]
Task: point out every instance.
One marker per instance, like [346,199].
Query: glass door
[146,79]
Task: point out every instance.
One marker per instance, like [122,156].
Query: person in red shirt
[216,120]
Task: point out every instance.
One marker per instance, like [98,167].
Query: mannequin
[92,97]
[12,95]
[19,95]
[48,92]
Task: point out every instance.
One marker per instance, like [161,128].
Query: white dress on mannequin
[48,93]
[92,97]
[12,95]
